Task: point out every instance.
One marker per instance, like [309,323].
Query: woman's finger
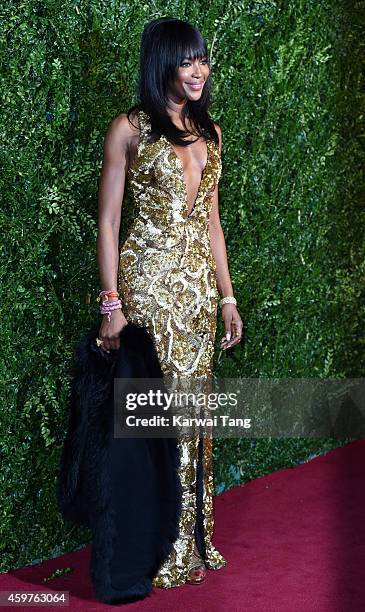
[227,329]
[235,336]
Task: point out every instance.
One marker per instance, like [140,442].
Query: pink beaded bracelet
[108,308]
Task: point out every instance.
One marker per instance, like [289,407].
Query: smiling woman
[173,264]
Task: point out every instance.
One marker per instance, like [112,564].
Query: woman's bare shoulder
[123,128]
[219,132]
[122,134]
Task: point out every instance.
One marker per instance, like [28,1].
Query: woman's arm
[232,321]
[117,147]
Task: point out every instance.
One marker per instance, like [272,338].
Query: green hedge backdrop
[288,95]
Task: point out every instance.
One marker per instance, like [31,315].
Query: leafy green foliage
[288,94]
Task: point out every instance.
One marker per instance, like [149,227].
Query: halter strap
[143,123]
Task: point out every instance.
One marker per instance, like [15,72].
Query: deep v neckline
[181,168]
[182,176]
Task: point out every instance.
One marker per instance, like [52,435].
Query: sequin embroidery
[166,280]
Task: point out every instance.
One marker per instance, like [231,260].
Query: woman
[173,263]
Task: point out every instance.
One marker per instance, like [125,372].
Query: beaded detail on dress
[166,280]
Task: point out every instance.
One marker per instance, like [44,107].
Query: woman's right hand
[109,331]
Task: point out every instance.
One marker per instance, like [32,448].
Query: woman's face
[190,78]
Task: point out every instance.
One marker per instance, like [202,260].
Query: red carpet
[294,540]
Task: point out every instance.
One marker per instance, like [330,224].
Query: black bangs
[188,43]
[165,43]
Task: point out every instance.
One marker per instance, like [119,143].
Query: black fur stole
[126,491]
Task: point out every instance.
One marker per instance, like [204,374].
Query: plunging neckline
[189,214]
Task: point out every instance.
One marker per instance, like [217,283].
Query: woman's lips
[195,86]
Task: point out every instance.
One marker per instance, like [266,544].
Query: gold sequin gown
[166,280]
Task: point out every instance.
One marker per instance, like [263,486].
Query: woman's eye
[188,63]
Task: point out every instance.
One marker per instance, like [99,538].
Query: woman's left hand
[233,326]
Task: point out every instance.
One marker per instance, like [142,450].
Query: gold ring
[99,342]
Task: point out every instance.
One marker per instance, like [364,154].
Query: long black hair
[165,43]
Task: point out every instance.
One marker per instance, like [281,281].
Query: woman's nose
[197,70]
